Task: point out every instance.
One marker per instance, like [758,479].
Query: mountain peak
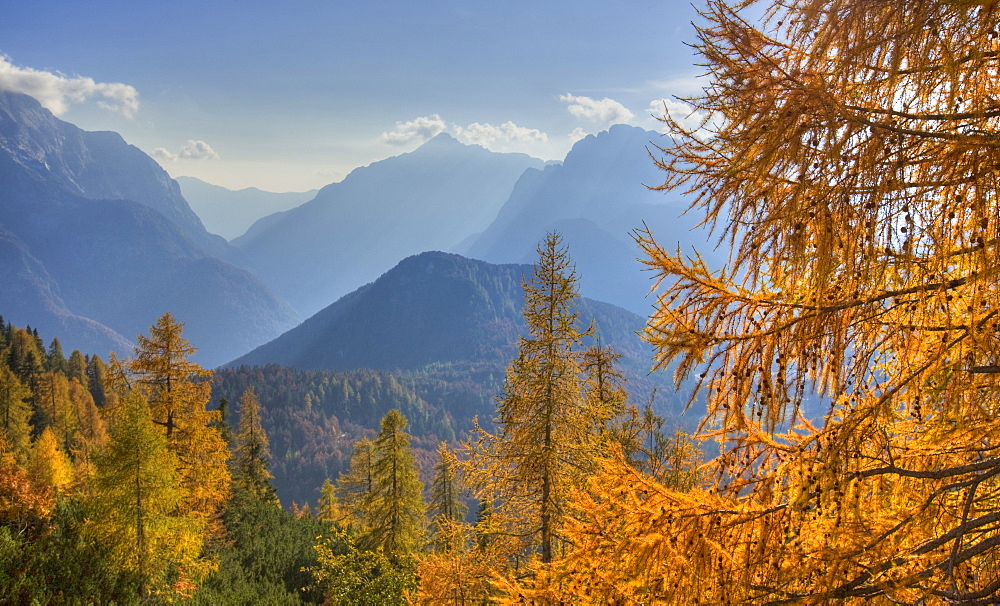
[443,141]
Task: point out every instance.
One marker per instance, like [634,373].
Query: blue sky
[293,95]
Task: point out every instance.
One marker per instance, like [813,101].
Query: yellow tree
[355,486]
[540,448]
[134,510]
[395,512]
[328,508]
[53,396]
[15,413]
[178,392]
[446,504]
[50,465]
[850,156]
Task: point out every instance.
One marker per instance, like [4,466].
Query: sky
[293,95]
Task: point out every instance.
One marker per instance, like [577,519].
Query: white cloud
[164,155]
[607,111]
[197,150]
[56,92]
[415,131]
[577,134]
[488,134]
[192,150]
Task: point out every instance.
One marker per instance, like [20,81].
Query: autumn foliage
[848,349]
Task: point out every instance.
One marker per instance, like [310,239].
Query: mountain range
[358,228]
[229,213]
[96,242]
[595,198]
[433,338]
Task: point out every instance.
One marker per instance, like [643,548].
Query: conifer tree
[252,450]
[53,398]
[850,157]
[178,393]
[543,426]
[96,378]
[328,507]
[604,386]
[15,413]
[55,360]
[355,486]
[76,367]
[50,465]
[446,489]
[395,512]
[135,508]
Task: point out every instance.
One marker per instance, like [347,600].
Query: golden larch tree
[178,391]
[849,155]
[135,507]
[545,429]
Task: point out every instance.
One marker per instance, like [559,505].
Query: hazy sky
[287,96]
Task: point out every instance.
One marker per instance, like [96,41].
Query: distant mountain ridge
[595,198]
[229,213]
[96,242]
[354,230]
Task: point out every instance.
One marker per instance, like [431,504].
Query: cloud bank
[577,134]
[488,134]
[679,112]
[498,137]
[603,110]
[56,92]
[192,150]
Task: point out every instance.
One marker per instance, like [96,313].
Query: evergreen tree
[96,378]
[395,510]
[55,360]
[57,411]
[222,424]
[250,471]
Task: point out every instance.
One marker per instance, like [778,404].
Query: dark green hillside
[432,309]
[313,418]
